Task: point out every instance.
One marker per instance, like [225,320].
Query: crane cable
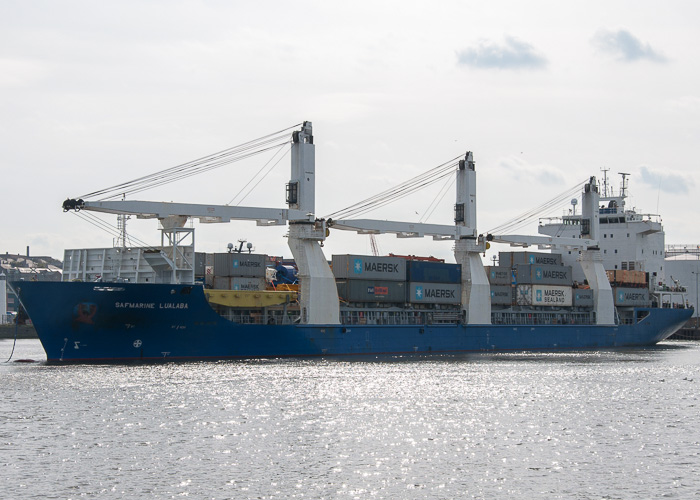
[537,212]
[112,230]
[259,172]
[404,189]
[203,164]
[438,198]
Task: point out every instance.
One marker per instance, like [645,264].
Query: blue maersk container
[433,272]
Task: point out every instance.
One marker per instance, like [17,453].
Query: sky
[545,94]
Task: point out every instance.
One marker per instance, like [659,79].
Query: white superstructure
[628,240]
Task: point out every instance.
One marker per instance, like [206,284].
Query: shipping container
[631,296]
[433,272]
[582,297]
[543,295]
[498,275]
[542,274]
[434,293]
[200,259]
[623,277]
[367,267]
[245,265]
[239,283]
[372,290]
[248,284]
[502,295]
[510,259]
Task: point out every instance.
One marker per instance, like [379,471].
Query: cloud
[668,182]
[522,171]
[625,47]
[513,54]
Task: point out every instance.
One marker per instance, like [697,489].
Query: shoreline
[23,332]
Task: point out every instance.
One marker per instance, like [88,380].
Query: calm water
[580,425]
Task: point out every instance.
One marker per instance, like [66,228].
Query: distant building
[683,266]
[4,317]
[22,267]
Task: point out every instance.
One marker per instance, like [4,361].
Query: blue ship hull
[93,322]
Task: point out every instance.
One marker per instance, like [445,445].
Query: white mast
[476,291]
[591,260]
[318,298]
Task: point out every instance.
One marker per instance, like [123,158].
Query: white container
[543,295]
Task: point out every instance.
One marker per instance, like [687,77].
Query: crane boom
[400,229]
[205,213]
[551,242]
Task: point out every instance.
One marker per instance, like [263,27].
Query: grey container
[434,293]
[245,265]
[372,291]
[200,259]
[498,275]
[502,295]
[367,267]
[582,297]
[631,297]
[239,283]
[248,284]
[542,274]
[510,259]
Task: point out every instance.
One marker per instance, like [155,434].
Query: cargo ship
[169,302]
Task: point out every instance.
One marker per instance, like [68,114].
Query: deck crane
[476,305]
[318,297]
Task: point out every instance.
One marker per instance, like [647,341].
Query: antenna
[605,181]
[121,227]
[623,189]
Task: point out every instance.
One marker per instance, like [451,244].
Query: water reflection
[595,424]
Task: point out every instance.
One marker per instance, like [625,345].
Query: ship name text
[151,305]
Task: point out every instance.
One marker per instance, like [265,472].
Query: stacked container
[638,297]
[582,297]
[510,259]
[544,295]
[500,275]
[501,279]
[372,291]
[540,278]
[502,295]
[630,279]
[364,278]
[433,282]
[543,274]
[240,271]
